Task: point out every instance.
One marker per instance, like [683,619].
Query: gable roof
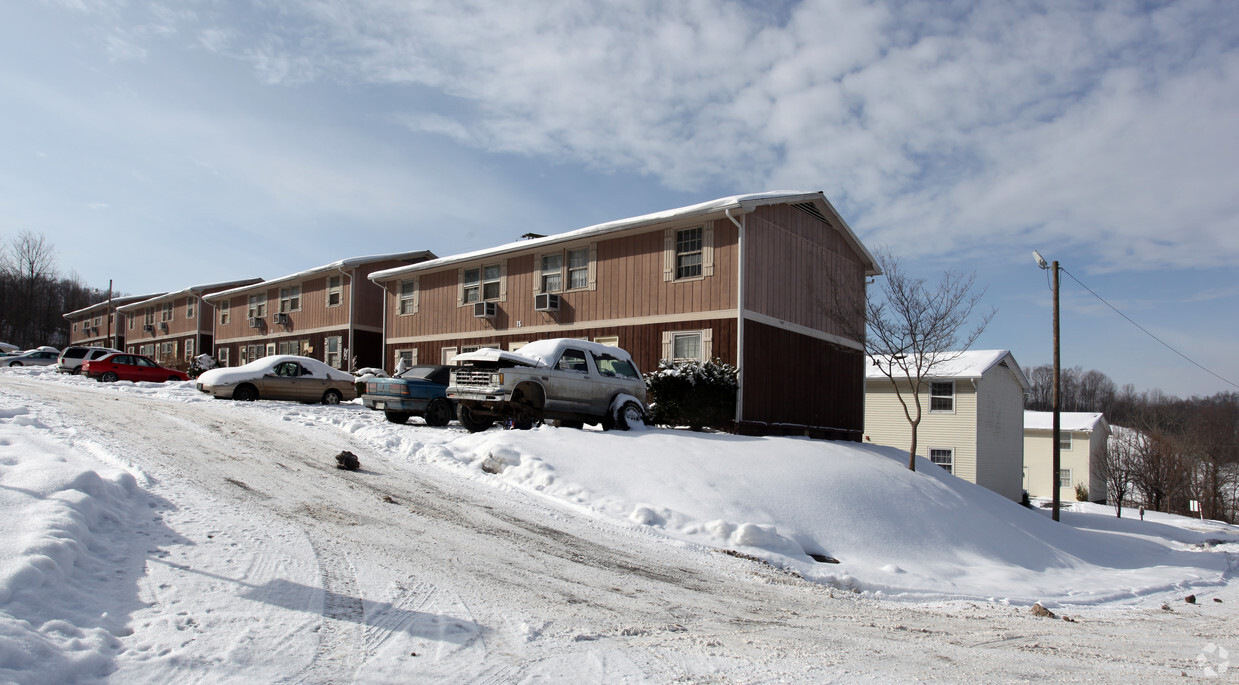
[191,290]
[350,263]
[116,303]
[970,364]
[735,206]
[1067,420]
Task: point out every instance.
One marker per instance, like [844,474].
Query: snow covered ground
[153,534]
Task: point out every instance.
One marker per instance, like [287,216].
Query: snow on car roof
[542,352]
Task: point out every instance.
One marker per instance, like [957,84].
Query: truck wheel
[624,417]
[474,424]
[438,412]
[397,416]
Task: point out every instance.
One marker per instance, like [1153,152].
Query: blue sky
[169,144]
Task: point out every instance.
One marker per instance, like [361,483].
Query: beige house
[1083,436]
[741,279]
[972,418]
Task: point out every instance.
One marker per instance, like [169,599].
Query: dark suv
[70,361]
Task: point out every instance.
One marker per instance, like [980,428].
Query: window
[490,282]
[147,350]
[484,282]
[688,245]
[1064,440]
[335,293]
[1064,478]
[942,396]
[150,316]
[578,268]
[612,340]
[251,352]
[165,311]
[408,296]
[189,307]
[75,328]
[614,367]
[222,353]
[189,350]
[408,356]
[552,272]
[446,354]
[98,320]
[471,285]
[131,321]
[257,307]
[167,351]
[944,457]
[292,346]
[686,346]
[290,299]
[332,354]
[572,360]
[225,312]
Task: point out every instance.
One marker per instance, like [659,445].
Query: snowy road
[252,559]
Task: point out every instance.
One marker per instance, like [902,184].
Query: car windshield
[430,372]
[610,366]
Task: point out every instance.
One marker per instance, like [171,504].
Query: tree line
[1164,452]
[34,297]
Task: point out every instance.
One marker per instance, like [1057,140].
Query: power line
[1146,332]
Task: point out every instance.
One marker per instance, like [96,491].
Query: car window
[287,369]
[143,361]
[572,360]
[610,366]
[75,353]
[122,359]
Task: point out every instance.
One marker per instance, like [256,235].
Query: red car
[130,367]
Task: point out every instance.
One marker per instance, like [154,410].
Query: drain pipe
[352,303]
[739,317]
[383,346]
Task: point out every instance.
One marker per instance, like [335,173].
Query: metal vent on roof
[1003,364]
[811,209]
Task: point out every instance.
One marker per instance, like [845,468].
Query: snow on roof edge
[1067,420]
[242,282]
[748,202]
[128,299]
[339,264]
[969,364]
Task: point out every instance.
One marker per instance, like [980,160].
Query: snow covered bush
[693,393]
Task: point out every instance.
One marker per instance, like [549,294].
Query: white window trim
[412,355]
[415,298]
[225,313]
[707,343]
[329,290]
[221,355]
[253,304]
[565,277]
[612,340]
[503,283]
[1062,435]
[707,253]
[190,309]
[954,397]
[446,354]
[950,450]
[1070,480]
[290,296]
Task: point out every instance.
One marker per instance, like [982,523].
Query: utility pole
[1056,462]
[111,312]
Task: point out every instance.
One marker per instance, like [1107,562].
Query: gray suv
[70,360]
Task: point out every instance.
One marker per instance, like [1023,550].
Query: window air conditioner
[282,318]
[163,326]
[546,302]
[148,328]
[484,310]
[255,322]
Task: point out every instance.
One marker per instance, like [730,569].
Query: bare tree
[912,328]
[1117,463]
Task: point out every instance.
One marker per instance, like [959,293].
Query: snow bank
[68,517]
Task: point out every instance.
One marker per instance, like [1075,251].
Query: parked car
[71,358]
[418,391]
[120,366]
[6,348]
[568,380]
[279,377]
[42,356]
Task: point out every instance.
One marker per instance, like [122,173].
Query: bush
[693,393]
[1081,492]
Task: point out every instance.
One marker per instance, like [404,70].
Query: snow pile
[67,546]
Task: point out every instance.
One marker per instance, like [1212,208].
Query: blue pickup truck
[419,391]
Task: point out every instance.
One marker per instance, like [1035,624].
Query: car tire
[109,377]
[173,379]
[77,371]
[245,393]
[438,412]
[624,417]
[397,416]
[332,396]
[474,424]
[11,364]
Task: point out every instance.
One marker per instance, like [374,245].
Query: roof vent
[812,210]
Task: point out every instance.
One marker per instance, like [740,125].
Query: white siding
[1000,433]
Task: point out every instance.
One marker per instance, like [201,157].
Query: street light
[1056,463]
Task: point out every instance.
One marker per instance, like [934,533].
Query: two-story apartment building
[745,279]
[972,418]
[331,312]
[1082,439]
[174,327]
[101,324]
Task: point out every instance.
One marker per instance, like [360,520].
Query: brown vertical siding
[629,284]
[794,379]
[643,342]
[793,265]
